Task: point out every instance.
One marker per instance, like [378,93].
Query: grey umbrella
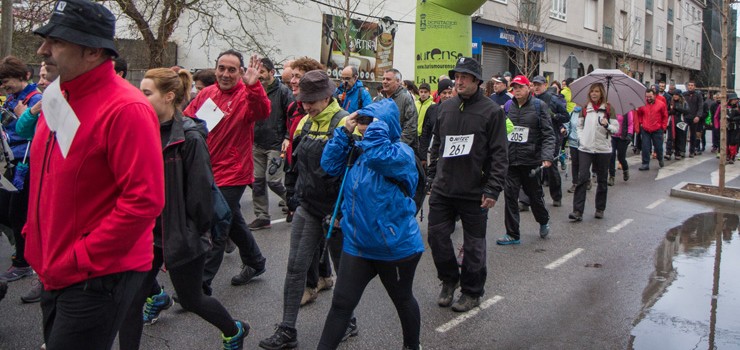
[622,92]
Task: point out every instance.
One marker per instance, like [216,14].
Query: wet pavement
[692,300]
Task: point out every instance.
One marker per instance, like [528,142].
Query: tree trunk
[724,29]
[7,29]
[347,23]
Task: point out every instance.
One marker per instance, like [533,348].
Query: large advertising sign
[443,34]
[370,45]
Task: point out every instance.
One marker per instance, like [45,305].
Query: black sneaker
[465,303]
[572,189]
[230,246]
[523,207]
[247,274]
[351,330]
[3,288]
[284,338]
[447,293]
[575,216]
[260,224]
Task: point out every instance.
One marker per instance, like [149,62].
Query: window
[659,41]
[660,4]
[678,11]
[589,18]
[689,48]
[528,12]
[698,49]
[557,10]
[677,45]
[637,27]
[623,25]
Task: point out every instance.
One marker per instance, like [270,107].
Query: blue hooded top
[378,219]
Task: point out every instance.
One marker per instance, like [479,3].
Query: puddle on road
[692,300]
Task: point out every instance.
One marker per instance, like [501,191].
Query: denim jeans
[649,141]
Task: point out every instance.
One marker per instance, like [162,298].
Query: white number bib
[457,145]
[520,134]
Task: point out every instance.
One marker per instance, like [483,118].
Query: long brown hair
[167,80]
[602,98]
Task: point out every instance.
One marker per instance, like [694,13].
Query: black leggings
[186,280]
[353,276]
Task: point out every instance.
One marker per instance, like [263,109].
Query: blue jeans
[649,141]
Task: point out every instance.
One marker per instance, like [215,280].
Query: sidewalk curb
[678,191]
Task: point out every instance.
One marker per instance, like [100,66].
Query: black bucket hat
[315,85]
[467,65]
[81,22]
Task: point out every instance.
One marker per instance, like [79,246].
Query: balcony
[648,47]
[608,37]
[670,15]
[669,54]
[649,6]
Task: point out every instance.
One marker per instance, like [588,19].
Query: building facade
[651,40]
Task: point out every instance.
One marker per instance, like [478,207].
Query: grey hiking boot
[465,303]
[447,293]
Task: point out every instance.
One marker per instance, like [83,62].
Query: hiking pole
[339,199]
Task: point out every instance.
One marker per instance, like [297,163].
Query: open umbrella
[623,92]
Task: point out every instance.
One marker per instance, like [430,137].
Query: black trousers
[696,130]
[354,274]
[186,280]
[518,178]
[87,315]
[675,143]
[442,213]
[574,164]
[619,152]
[601,165]
[249,251]
[319,267]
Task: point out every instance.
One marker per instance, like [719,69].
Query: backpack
[420,193]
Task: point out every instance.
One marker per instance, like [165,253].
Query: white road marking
[676,167]
[731,173]
[273,222]
[460,319]
[656,203]
[620,226]
[564,259]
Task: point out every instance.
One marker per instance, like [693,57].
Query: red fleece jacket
[230,142]
[91,214]
[653,117]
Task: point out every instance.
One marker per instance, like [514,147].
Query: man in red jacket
[653,119]
[93,200]
[242,100]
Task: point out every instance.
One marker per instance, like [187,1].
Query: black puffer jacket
[183,229]
[270,133]
[540,145]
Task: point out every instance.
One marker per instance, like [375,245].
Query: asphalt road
[581,288]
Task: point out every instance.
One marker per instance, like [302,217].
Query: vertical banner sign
[370,46]
[443,34]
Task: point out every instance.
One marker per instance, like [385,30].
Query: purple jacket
[630,124]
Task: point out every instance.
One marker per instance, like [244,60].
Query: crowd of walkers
[108,183]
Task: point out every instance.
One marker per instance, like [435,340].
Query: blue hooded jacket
[354,96]
[378,219]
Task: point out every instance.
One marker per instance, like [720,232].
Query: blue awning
[506,37]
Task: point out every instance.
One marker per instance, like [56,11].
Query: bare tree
[532,18]
[242,24]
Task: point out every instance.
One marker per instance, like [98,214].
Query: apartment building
[651,40]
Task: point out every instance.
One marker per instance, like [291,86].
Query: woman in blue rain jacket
[381,234]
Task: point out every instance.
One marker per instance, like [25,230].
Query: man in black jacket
[531,148]
[696,111]
[467,170]
[559,116]
[270,142]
